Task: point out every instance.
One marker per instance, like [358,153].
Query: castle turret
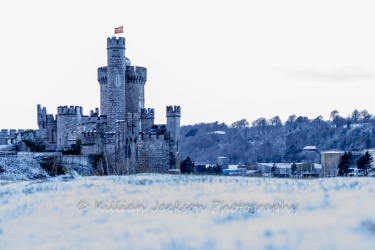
[135,79]
[67,120]
[173,131]
[47,127]
[102,79]
[42,117]
[116,100]
[147,119]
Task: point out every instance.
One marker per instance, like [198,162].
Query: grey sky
[220,60]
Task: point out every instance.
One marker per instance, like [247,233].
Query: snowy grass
[21,169]
[120,212]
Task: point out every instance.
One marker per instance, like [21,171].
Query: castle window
[43,124]
[116,53]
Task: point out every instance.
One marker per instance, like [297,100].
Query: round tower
[115,90]
[173,131]
[135,80]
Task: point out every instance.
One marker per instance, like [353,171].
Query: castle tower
[102,79]
[135,80]
[42,117]
[173,130]
[115,89]
[147,119]
[67,120]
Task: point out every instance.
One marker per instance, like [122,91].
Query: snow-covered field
[204,212]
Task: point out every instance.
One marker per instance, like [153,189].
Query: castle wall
[8,137]
[153,154]
[89,122]
[147,153]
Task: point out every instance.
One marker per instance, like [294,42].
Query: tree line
[271,140]
[364,163]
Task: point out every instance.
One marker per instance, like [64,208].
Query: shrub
[187,166]
[36,144]
[94,160]
[52,164]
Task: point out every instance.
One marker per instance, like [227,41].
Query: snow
[216,133]
[21,168]
[5,147]
[69,212]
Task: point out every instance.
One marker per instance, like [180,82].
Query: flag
[119,30]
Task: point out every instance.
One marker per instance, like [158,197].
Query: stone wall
[153,155]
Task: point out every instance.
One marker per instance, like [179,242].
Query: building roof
[309,148]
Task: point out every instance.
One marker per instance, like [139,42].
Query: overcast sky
[219,60]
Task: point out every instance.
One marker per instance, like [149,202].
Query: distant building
[235,170]
[331,159]
[223,162]
[285,169]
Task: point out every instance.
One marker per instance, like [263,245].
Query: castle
[123,130]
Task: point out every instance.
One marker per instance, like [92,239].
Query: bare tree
[318,119]
[275,121]
[333,114]
[240,124]
[365,116]
[355,116]
[292,118]
[261,124]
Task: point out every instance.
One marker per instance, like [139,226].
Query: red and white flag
[119,30]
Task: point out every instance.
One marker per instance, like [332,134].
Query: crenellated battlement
[50,119]
[102,75]
[173,111]
[10,132]
[94,113]
[65,110]
[147,113]
[114,42]
[89,137]
[135,74]
[145,136]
